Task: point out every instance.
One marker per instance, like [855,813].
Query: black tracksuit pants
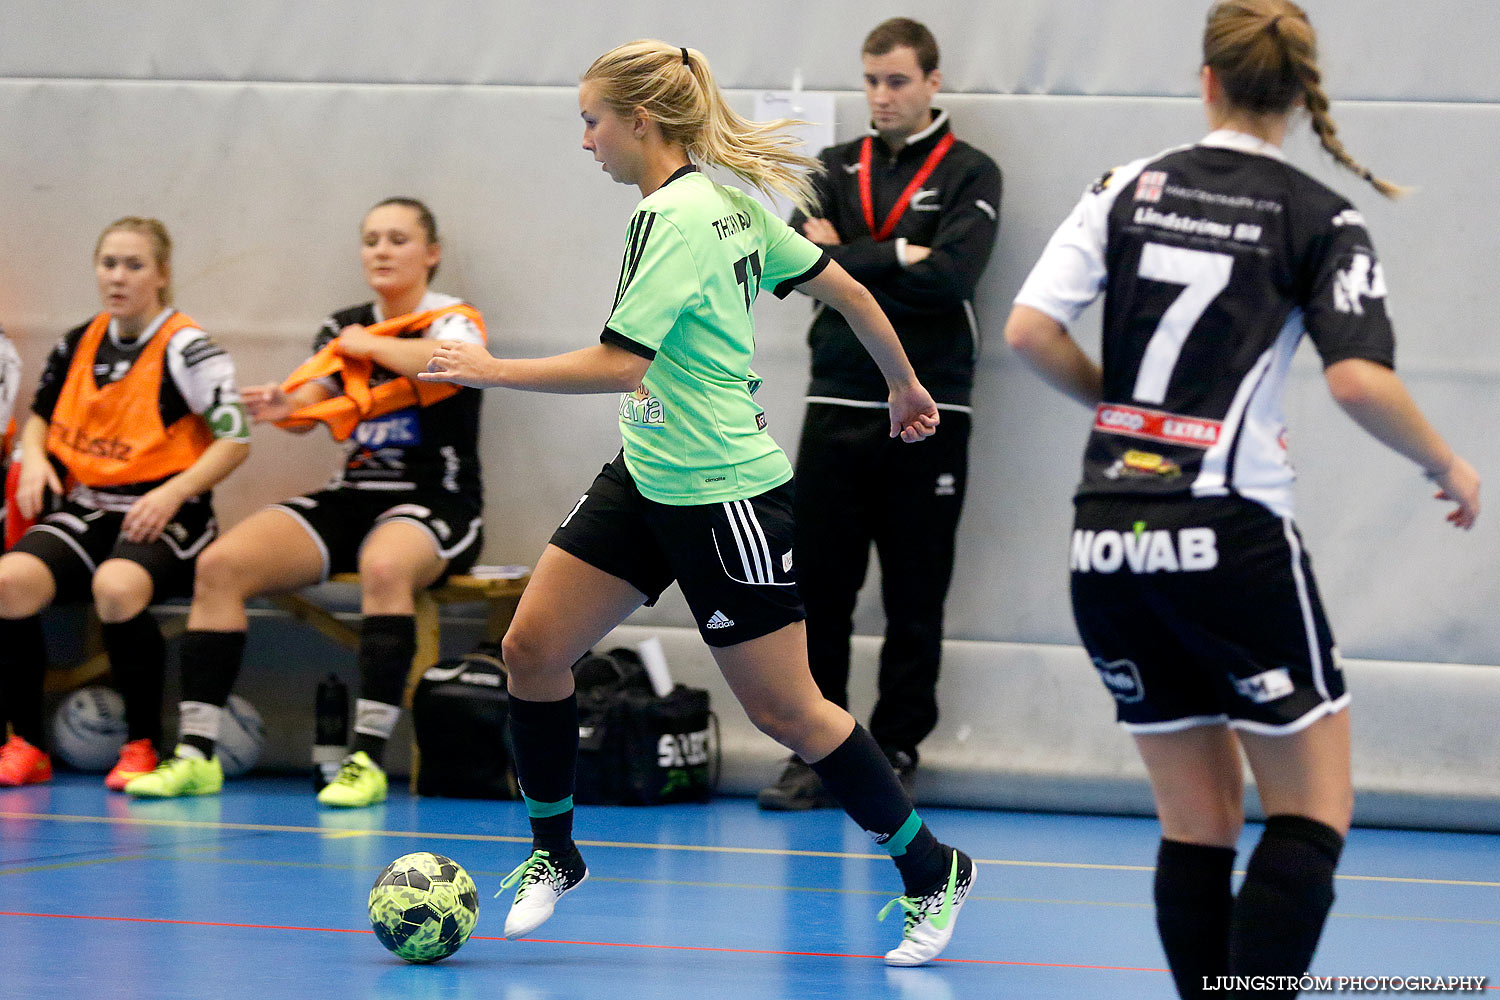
[856,486]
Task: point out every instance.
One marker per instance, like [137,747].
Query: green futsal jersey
[695,256]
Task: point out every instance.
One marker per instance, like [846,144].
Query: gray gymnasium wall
[260,133]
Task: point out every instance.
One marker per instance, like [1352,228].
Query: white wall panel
[263,186]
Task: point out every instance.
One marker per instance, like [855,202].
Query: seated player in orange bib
[404,510]
[136,419]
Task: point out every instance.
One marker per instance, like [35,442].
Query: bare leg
[1197,782]
[1306,773]
[267,553]
[567,608]
[770,678]
[397,559]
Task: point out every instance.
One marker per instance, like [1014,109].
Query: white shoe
[929,918]
[543,882]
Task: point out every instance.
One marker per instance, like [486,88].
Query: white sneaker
[929,918]
[543,882]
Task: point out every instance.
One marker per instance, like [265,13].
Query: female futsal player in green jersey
[700,493]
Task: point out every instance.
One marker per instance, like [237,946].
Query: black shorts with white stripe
[340,518]
[75,539]
[1202,611]
[733,560]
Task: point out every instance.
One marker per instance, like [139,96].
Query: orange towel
[361,402]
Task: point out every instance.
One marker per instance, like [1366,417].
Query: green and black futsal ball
[423,907]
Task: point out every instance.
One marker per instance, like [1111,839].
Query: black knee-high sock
[23,678]
[1193,907]
[859,776]
[386,645]
[210,665]
[544,738]
[1285,899]
[138,659]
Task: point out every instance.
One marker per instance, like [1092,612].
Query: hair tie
[685,56]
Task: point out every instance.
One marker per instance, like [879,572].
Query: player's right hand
[37,477]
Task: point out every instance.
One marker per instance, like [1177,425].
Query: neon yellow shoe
[177,776]
[360,783]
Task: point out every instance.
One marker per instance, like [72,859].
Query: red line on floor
[592,944]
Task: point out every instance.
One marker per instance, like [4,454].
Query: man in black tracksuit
[912,213]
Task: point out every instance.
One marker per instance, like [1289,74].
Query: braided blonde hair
[1265,54]
[677,90]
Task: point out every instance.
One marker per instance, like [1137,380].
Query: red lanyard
[866,156]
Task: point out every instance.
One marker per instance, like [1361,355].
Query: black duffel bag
[635,748]
[460,710]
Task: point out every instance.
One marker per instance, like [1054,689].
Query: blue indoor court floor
[258,893]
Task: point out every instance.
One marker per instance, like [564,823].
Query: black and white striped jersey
[1214,259]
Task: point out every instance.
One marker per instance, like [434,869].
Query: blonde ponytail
[676,88]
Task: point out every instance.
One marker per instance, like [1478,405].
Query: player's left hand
[462,363]
[914,415]
[150,514]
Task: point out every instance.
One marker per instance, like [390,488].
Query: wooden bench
[501,595]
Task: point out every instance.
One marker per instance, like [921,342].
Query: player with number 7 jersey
[1214,259]
[1191,587]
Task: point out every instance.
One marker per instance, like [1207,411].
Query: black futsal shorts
[1202,611]
[75,539]
[733,560]
[339,519]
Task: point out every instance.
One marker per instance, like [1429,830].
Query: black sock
[23,678]
[544,738]
[859,776]
[138,660]
[210,665]
[387,644]
[1285,899]
[1193,907]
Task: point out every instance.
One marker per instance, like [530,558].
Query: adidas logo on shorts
[719,620]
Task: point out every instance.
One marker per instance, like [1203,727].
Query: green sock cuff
[543,810]
[899,841]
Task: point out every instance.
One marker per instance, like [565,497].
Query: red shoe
[23,764]
[137,757]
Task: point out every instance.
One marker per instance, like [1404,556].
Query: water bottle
[331,730]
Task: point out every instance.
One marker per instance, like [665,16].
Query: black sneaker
[798,788]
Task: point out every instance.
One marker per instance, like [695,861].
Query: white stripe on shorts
[750,541]
[1314,654]
[758,543]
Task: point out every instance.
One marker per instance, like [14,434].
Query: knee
[1219,822]
[528,654]
[120,592]
[794,726]
[19,596]
[384,575]
[219,571]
